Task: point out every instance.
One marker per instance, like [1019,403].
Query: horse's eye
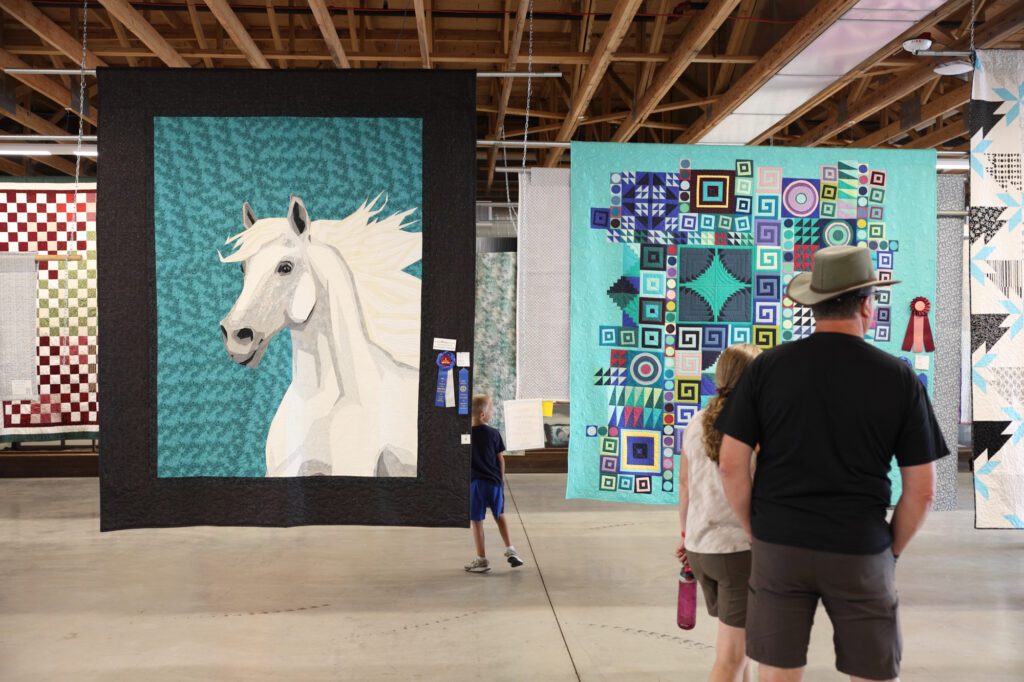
[284,268]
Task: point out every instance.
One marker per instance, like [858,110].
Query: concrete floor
[596,600]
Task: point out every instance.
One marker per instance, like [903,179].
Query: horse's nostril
[223,332]
[244,334]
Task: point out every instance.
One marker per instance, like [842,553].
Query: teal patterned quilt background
[679,251]
[214,414]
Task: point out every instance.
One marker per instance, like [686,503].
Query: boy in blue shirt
[487,489]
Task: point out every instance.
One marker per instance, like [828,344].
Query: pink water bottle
[686,611]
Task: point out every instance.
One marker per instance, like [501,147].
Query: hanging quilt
[304,254]
[494,368]
[50,218]
[997,301]
[681,251]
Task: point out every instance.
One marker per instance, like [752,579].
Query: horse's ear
[248,215]
[298,218]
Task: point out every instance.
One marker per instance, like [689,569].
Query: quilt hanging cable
[526,128]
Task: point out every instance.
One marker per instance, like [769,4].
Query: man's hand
[915,503]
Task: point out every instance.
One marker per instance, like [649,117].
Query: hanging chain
[72,269]
[974,18]
[526,130]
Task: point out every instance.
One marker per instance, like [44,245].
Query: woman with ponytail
[713,542]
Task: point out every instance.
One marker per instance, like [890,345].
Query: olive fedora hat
[837,270]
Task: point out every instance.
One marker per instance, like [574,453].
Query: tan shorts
[723,579]
[859,593]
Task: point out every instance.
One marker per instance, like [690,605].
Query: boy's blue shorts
[484,495]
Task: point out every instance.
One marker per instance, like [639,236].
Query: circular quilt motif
[645,369]
[838,233]
[801,198]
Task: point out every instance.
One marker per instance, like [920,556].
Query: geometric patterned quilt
[679,252]
[997,302]
[45,218]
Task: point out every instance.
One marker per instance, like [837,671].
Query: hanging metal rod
[48,138]
[533,144]
[92,72]
[942,53]
[50,72]
[951,214]
[47,149]
[518,74]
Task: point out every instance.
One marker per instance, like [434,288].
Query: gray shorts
[859,593]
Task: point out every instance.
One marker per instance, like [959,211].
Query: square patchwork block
[715,337]
[652,311]
[625,483]
[608,482]
[768,258]
[743,204]
[769,180]
[767,206]
[744,187]
[829,191]
[768,287]
[652,283]
[688,363]
[688,339]
[742,223]
[688,222]
[767,232]
[600,218]
[610,464]
[628,338]
[607,336]
[876,213]
[684,414]
[744,167]
[687,391]
[876,230]
[883,314]
[876,195]
[714,191]
[882,333]
[707,222]
[829,174]
[609,446]
[740,333]
[766,337]
[803,257]
[827,209]
[877,178]
[652,256]
[650,337]
[641,451]
[885,260]
[642,485]
[766,312]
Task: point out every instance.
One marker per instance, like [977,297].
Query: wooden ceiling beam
[992,32]
[693,39]
[618,25]
[657,38]
[122,38]
[40,125]
[422,33]
[330,33]
[144,31]
[11,167]
[739,39]
[803,33]
[197,29]
[275,32]
[586,27]
[47,87]
[938,137]
[926,24]
[238,33]
[522,11]
[933,110]
[52,34]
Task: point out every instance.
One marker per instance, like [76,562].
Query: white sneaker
[478,566]
[513,557]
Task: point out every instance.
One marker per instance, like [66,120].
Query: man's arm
[734,467]
[915,502]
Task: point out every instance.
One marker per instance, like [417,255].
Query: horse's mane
[377,252]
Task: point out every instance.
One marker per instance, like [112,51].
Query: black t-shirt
[828,413]
[487,445]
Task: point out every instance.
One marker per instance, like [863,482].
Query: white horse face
[278,290]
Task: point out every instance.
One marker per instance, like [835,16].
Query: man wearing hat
[826,414]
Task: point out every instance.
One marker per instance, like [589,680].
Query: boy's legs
[503,529]
[478,538]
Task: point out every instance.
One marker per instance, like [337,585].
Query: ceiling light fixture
[922,42]
[955,67]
